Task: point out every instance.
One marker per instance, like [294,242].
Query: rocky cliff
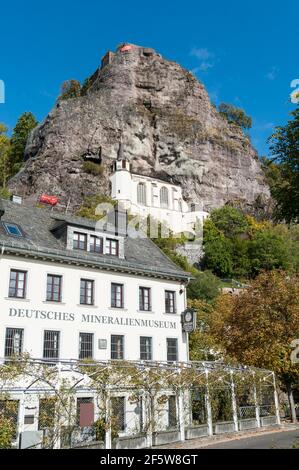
[168,126]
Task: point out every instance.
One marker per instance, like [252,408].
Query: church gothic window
[141,194]
[164,197]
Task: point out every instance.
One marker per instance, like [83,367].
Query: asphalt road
[276,440]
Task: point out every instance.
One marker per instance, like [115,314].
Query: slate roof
[142,256]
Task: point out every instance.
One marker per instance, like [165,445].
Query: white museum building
[69,293]
[147,196]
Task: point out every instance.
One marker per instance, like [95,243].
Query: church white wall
[177,216]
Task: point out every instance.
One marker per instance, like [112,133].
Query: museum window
[117,347]
[86,292]
[141,194]
[118,412]
[79,241]
[111,247]
[117,295]
[54,284]
[17,284]
[172,349]
[164,202]
[170,301]
[85,345]
[51,344]
[145,299]
[95,244]
[146,348]
[13,342]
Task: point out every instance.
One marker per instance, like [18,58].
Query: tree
[70,89]
[4,157]
[235,115]
[257,327]
[270,250]
[237,245]
[284,147]
[230,221]
[25,124]
[202,344]
[205,287]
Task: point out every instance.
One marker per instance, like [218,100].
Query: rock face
[168,127]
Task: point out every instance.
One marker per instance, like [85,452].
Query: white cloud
[201,53]
[206,58]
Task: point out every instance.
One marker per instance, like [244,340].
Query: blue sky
[245,53]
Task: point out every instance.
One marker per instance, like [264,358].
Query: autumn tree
[258,326]
[70,89]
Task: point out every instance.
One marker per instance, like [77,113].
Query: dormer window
[111,247]
[95,244]
[12,229]
[79,241]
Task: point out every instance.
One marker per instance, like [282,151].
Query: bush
[70,89]
[6,432]
[235,115]
[93,168]
[4,193]
[90,203]
[204,287]
[100,429]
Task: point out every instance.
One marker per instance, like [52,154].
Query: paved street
[276,440]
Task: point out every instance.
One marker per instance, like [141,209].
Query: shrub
[70,89]
[6,432]
[205,287]
[4,193]
[93,168]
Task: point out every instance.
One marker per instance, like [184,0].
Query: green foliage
[218,256]
[5,148]
[100,427]
[93,168]
[235,115]
[70,89]
[269,250]
[238,246]
[202,344]
[6,432]
[230,221]
[25,124]
[90,203]
[205,287]
[4,193]
[284,184]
